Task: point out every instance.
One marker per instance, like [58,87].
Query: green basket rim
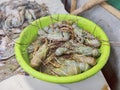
[64,79]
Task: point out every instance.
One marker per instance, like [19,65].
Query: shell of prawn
[39,55]
[85,59]
[54,34]
[70,67]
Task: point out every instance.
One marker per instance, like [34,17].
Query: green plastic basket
[30,33]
